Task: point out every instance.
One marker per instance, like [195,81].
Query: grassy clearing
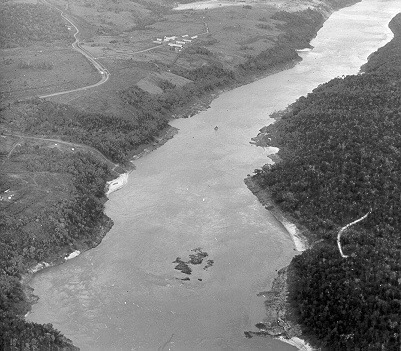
[104,99]
[230,33]
[226,36]
[30,191]
[21,75]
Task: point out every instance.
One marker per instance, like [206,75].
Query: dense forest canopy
[111,135]
[308,20]
[341,157]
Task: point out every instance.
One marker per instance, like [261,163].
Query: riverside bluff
[287,57]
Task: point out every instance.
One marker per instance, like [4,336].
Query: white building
[175,45]
[170,38]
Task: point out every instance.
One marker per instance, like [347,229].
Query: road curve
[102,70]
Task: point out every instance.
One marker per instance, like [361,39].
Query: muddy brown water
[125,294]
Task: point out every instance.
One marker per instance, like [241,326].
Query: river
[125,294]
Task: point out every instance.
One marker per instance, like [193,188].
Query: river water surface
[125,294]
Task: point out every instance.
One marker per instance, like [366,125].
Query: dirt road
[102,70]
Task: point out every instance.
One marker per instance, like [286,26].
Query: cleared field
[121,35]
[105,99]
[26,193]
[230,33]
[41,69]
[36,56]
[124,45]
[153,81]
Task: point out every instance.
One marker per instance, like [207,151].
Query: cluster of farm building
[176,43]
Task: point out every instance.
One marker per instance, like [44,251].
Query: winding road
[102,70]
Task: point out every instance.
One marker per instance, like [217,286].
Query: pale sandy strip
[300,344]
[117,183]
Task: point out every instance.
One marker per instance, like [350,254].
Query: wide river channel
[125,294]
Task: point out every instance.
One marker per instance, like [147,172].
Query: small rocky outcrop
[278,320]
[196,258]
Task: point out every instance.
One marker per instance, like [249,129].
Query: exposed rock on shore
[279,320]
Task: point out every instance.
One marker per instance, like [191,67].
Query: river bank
[203,103]
[59,258]
[281,319]
[298,234]
[244,75]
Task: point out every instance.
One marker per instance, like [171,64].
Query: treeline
[299,27]
[205,80]
[31,336]
[200,50]
[337,4]
[388,58]
[22,24]
[75,217]
[111,135]
[40,225]
[340,149]
[273,58]
[35,65]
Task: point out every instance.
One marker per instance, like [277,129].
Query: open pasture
[40,69]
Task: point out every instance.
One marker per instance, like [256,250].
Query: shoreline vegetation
[79,178]
[339,156]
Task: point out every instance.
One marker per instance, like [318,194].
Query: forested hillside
[205,80]
[51,204]
[111,135]
[341,158]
